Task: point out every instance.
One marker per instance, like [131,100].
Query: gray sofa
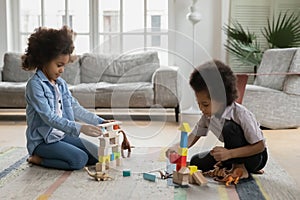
[275,99]
[102,81]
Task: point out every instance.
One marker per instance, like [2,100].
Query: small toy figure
[125,145]
[223,175]
[98,176]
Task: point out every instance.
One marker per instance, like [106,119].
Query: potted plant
[283,32]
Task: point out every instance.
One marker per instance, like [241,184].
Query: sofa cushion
[12,95]
[274,61]
[72,72]
[108,95]
[292,82]
[12,69]
[137,67]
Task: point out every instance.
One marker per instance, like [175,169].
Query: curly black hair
[212,77]
[46,44]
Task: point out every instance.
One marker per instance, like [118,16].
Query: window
[105,26]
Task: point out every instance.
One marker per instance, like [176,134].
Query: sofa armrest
[166,90]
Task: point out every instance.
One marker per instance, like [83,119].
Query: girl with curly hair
[52,133]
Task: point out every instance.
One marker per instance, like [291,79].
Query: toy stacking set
[109,151]
[185,174]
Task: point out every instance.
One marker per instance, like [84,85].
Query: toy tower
[109,151]
[183,149]
[183,174]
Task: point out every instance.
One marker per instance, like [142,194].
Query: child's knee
[79,161]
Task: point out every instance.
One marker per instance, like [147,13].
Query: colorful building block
[184,140]
[126,172]
[104,159]
[182,151]
[112,157]
[149,177]
[185,127]
[193,169]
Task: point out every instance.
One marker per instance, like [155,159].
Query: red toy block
[173,157]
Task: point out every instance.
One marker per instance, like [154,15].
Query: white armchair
[274,98]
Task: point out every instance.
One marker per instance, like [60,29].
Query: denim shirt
[41,112]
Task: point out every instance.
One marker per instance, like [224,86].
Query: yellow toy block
[185,127]
[104,159]
[193,169]
[182,151]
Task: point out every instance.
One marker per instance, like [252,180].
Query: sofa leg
[176,113]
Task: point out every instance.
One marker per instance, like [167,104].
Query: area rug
[18,180]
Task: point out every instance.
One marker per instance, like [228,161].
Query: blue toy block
[184,140]
[149,177]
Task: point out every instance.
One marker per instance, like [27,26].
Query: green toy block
[126,172]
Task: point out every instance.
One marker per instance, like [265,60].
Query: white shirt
[238,114]
[57,132]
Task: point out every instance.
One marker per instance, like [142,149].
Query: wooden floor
[283,145]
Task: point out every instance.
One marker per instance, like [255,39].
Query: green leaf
[283,32]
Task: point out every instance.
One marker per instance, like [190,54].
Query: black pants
[233,138]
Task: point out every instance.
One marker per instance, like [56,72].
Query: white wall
[208,38]
[3,31]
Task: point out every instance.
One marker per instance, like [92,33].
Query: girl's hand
[220,153]
[91,130]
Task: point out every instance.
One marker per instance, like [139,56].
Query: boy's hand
[220,153]
[91,130]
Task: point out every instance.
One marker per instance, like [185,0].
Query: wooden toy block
[104,159]
[185,127]
[114,140]
[191,180]
[183,151]
[103,151]
[181,177]
[184,140]
[116,148]
[149,177]
[119,162]
[112,157]
[193,169]
[104,141]
[199,178]
[110,124]
[126,172]
[100,167]
[173,157]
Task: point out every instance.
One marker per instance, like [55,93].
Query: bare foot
[34,160]
[241,168]
[259,172]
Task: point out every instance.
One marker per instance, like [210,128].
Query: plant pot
[241,86]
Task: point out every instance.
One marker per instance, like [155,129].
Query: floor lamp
[194,16]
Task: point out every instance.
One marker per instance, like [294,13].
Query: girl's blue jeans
[70,153]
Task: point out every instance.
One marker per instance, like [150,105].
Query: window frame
[94,33]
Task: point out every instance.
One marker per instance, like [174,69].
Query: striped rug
[17,178]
